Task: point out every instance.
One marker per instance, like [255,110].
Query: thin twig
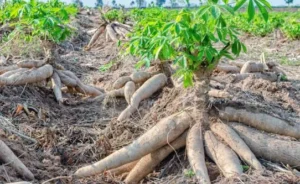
[57,178]
[11,130]
[7,177]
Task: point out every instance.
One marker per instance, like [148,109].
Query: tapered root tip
[84,172]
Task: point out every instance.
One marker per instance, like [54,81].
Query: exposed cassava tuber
[252,67]
[88,90]
[272,77]
[269,147]
[261,121]
[228,68]
[145,91]
[9,73]
[94,38]
[121,82]
[7,156]
[126,113]
[120,31]
[116,93]
[66,80]
[237,63]
[122,169]
[31,63]
[166,130]
[124,26]
[91,32]
[148,88]
[236,143]
[27,77]
[56,86]
[222,155]
[3,61]
[111,33]
[4,69]
[148,163]
[273,67]
[129,90]
[139,77]
[80,87]
[219,94]
[196,153]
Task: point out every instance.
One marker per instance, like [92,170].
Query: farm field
[152,95]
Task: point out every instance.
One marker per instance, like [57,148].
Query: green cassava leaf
[262,10]
[215,11]
[251,10]
[239,4]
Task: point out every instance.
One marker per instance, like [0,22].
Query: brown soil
[83,131]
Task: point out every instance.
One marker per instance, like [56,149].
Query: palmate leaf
[262,10]
[215,11]
[251,10]
[188,38]
[239,4]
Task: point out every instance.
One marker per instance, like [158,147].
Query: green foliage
[107,66]
[193,40]
[160,2]
[291,26]
[245,168]
[287,22]
[189,173]
[289,1]
[116,15]
[34,18]
[99,3]
[283,78]
[78,3]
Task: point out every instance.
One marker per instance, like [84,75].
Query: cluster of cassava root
[135,88]
[114,31]
[225,143]
[237,135]
[36,71]
[267,71]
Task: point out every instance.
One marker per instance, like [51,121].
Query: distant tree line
[143,3]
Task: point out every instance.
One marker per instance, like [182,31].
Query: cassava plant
[113,25]
[49,22]
[195,42]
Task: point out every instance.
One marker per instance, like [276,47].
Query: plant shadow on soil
[83,131]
